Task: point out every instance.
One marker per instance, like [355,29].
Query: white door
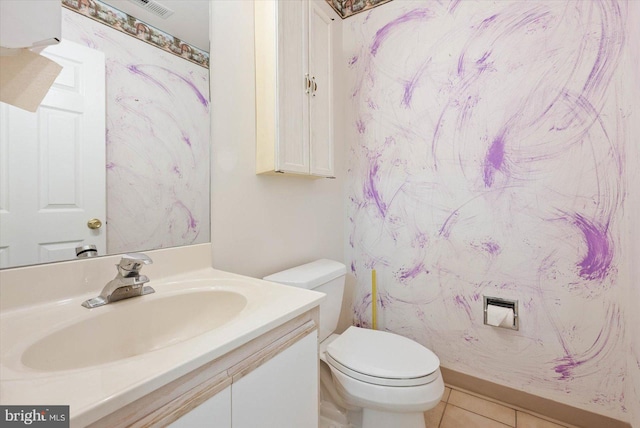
[52,164]
[321,102]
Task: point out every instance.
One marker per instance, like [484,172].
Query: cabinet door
[292,149]
[321,100]
[213,413]
[283,392]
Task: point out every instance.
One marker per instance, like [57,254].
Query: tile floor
[460,409]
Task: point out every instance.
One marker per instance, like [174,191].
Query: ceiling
[189,22]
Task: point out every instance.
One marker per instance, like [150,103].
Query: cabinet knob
[307,83]
[315,86]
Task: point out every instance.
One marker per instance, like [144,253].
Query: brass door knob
[94,223]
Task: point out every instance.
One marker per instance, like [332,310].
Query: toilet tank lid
[310,275]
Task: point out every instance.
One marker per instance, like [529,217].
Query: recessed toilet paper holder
[504,303]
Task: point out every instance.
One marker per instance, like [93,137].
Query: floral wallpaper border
[128,24]
[346,8]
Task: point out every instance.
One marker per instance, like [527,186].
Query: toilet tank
[326,276]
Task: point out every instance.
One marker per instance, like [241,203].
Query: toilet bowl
[379,379]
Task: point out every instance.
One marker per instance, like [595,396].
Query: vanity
[208,347]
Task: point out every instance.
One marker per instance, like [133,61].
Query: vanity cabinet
[283,392]
[271,381]
[214,413]
[294,87]
[280,393]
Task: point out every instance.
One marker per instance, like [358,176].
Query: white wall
[633,302]
[263,224]
[488,149]
[260,224]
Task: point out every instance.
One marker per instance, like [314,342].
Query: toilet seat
[382,358]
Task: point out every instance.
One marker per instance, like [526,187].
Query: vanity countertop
[95,391]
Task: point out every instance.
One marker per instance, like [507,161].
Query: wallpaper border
[347,8]
[130,25]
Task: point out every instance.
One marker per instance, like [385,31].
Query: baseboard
[536,404]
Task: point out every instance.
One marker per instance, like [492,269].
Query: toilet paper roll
[499,316]
[508,321]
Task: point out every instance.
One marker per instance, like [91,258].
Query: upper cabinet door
[292,152]
[321,100]
[294,87]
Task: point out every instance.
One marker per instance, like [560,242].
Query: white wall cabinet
[294,87]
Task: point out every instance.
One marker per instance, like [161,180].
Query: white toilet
[379,379]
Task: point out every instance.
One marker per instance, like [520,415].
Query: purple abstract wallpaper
[488,156]
[157,140]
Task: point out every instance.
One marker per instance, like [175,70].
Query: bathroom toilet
[375,379]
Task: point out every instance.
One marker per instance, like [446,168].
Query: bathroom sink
[129,328]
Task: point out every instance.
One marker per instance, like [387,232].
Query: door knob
[94,223]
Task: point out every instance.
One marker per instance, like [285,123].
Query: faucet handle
[133,262]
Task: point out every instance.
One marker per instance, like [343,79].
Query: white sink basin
[136,326]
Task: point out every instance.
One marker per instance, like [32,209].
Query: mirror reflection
[117,156]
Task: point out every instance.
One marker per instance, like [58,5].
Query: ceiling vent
[154,7]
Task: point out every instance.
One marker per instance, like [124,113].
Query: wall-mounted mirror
[117,155]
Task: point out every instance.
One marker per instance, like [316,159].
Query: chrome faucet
[127,283]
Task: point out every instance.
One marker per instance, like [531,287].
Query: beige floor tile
[526,420]
[455,417]
[483,407]
[432,417]
[445,396]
